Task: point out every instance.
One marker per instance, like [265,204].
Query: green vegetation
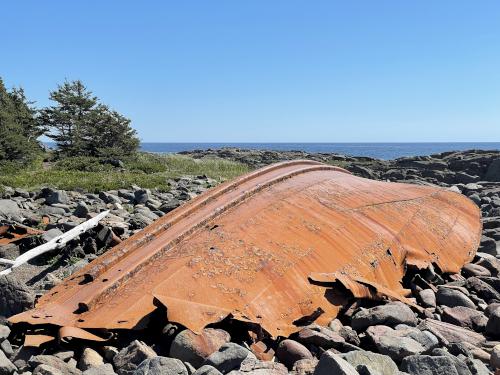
[95,174]
[19,128]
[96,146]
[81,125]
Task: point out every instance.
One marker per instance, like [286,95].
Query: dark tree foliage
[19,127]
[81,126]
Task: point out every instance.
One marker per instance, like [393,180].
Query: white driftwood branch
[55,243]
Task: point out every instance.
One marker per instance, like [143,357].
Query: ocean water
[375,150]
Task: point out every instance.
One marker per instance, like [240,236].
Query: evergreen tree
[80,125]
[19,128]
[69,117]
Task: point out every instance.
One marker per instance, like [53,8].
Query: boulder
[10,209]
[398,344]
[161,366]
[228,357]
[390,314]
[129,358]
[453,297]
[252,366]
[427,365]
[493,325]
[450,333]
[57,196]
[304,367]
[320,336]
[291,351]
[90,358]
[105,369]
[46,370]
[331,363]
[471,269]
[15,296]
[380,363]
[54,362]
[6,366]
[190,347]
[427,297]
[483,289]
[495,357]
[465,317]
[207,370]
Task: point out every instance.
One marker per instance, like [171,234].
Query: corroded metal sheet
[269,247]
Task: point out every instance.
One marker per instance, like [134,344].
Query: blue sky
[269,71]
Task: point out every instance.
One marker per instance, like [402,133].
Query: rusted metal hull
[267,248]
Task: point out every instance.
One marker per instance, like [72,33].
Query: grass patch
[93,175]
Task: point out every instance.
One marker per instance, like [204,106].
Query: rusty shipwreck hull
[267,248]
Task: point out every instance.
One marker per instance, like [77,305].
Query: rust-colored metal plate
[13,233]
[266,248]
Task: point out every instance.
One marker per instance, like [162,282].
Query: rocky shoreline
[457,331]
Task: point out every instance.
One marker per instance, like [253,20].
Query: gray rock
[54,362]
[90,358]
[190,347]
[6,366]
[207,370]
[471,269]
[320,336]
[383,364]
[252,366]
[453,297]
[495,357]
[390,314]
[483,289]
[81,210]
[427,365]
[55,211]
[51,234]
[105,369]
[170,205]
[109,198]
[228,357]
[304,367]
[465,317]
[427,297]
[57,196]
[460,365]
[397,344]
[493,325]
[128,359]
[4,332]
[9,209]
[6,348]
[15,297]
[46,370]
[141,196]
[331,363]
[477,367]
[493,171]
[161,366]
[346,332]
[291,351]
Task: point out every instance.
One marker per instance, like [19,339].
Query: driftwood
[56,243]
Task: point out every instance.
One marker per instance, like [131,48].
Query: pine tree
[82,126]
[68,118]
[19,128]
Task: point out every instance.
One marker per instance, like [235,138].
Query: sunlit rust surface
[269,247]
[14,233]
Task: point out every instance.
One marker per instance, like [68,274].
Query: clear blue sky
[257,71]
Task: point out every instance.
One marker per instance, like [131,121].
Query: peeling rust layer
[267,248]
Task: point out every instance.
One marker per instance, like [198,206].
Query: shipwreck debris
[273,247]
[56,243]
